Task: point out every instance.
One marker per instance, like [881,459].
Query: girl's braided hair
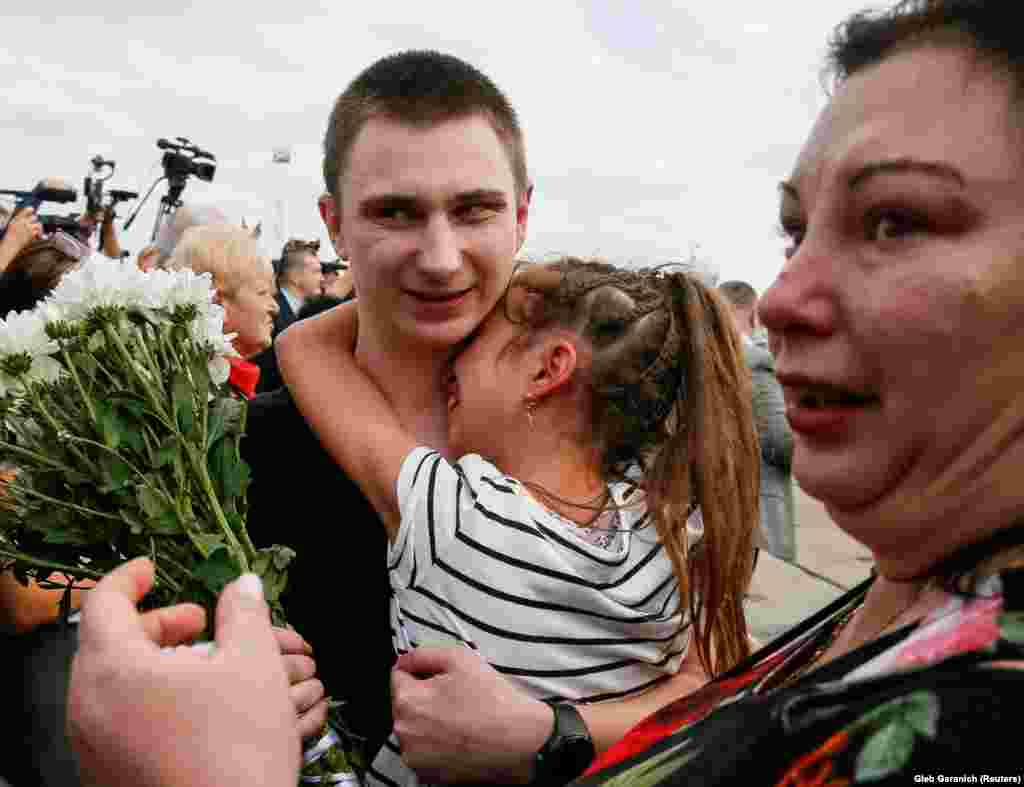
[669,394]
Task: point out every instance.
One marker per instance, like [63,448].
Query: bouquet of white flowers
[118,418]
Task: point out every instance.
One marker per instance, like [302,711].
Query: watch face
[573,757]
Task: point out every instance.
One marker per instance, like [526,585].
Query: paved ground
[827,562]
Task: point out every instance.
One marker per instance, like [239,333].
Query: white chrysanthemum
[189,288]
[24,334]
[99,282]
[220,369]
[50,312]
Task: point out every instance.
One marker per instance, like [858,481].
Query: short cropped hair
[421,89]
[228,253]
[738,293]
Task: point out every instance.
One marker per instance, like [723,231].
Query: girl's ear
[553,366]
[218,297]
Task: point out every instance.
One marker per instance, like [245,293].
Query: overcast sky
[653,128]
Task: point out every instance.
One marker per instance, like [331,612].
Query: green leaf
[168,451]
[181,396]
[200,373]
[208,543]
[152,502]
[116,473]
[166,524]
[282,556]
[217,570]
[226,417]
[107,423]
[886,752]
[1011,627]
[70,534]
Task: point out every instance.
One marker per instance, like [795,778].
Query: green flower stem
[164,577]
[28,560]
[115,339]
[199,466]
[109,450]
[16,449]
[86,461]
[63,503]
[70,364]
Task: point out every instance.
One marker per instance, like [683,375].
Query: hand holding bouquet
[119,419]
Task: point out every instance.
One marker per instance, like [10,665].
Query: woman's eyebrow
[935,169]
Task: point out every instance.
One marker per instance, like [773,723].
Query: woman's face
[249,311]
[898,315]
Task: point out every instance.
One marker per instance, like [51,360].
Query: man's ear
[331,216]
[522,216]
[555,366]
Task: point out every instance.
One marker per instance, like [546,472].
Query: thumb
[427,662]
[243,620]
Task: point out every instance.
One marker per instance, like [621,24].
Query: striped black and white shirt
[479,563]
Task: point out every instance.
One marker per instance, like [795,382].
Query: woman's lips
[823,410]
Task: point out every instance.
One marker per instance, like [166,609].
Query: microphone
[55,195]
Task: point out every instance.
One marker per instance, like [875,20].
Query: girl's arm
[344,407]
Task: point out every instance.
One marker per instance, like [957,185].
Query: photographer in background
[36,270]
[22,229]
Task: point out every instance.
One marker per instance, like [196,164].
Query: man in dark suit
[299,277]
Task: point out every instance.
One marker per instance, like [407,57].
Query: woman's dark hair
[32,275]
[669,394]
[989,28]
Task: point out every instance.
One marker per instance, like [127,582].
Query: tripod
[169,203]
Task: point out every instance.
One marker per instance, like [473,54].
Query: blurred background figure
[242,276]
[270,375]
[172,231]
[22,229]
[36,270]
[299,277]
[336,280]
[778,524]
[148,257]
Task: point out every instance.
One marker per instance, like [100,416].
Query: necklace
[840,626]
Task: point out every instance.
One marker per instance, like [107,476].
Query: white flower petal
[220,370]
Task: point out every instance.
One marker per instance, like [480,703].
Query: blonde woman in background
[244,280]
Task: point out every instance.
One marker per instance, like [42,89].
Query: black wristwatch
[568,750]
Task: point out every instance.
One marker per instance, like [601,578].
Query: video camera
[102,170]
[36,197]
[183,159]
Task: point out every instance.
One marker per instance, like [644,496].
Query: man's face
[305,275]
[430,222]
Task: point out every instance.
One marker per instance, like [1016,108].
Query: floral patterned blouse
[933,701]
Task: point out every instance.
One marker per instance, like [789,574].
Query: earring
[531,405]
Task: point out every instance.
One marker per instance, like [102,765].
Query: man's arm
[457,719]
[364,435]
